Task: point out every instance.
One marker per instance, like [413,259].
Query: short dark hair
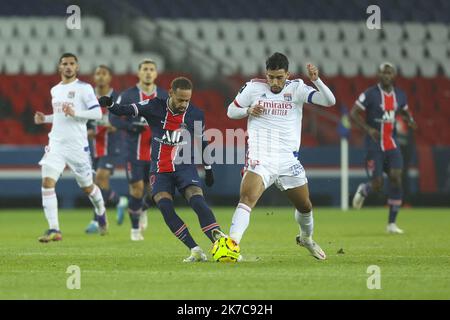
[104,66]
[146,61]
[277,61]
[68,55]
[182,83]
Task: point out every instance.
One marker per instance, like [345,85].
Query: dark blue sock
[134,211]
[110,197]
[174,222]
[205,215]
[393,211]
[394,201]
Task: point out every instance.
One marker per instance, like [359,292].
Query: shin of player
[74,103]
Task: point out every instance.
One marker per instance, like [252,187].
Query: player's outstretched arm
[93,113]
[324,97]
[119,110]
[40,118]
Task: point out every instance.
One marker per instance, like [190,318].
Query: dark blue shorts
[180,179]
[138,170]
[106,162]
[378,162]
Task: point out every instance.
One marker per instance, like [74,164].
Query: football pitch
[411,266]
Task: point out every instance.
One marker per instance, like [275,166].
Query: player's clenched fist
[105,101]
[39,118]
[68,111]
[313,72]
[255,111]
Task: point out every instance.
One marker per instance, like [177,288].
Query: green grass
[413,266]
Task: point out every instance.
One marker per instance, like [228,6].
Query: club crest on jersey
[287,97]
[71,94]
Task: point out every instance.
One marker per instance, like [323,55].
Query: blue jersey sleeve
[401,100]
[363,100]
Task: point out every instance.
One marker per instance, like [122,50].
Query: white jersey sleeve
[89,98]
[304,93]
[244,97]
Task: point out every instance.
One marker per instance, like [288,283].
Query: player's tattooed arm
[357,116]
[324,97]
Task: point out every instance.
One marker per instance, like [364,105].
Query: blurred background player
[380,103]
[274,110]
[138,140]
[106,145]
[171,120]
[74,103]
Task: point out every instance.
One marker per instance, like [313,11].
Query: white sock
[97,201]
[306,223]
[240,222]
[50,205]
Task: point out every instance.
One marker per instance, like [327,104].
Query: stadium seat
[330,67]
[311,31]
[258,50]
[208,29]
[290,31]
[72,46]
[415,32]
[351,32]
[189,30]
[11,65]
[336,50]
[270,30]
[238,50]
[374,51]
[48,65]
[58,27]
[218,49]
[17,48]
[371,35]
[42,28]
[250,67]
[35,47]
[6,28]
[393,52]
[229,30]
[24,27]
[355,50]
[438,51]
[349,68]
[414,51]
[249,30]
[393,32]
[89,47]
[438,32]
[330,32]
[30,66]
[316,51]
[123,45]
[95,27]
[408,68]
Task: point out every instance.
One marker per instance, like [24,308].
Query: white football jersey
[66,129]
[277,132]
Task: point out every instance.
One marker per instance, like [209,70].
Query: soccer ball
[225,250]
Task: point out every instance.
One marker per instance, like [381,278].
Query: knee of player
[88,190]
[377,184]
[395,179]
[305,207]
[48,183]
[248,199]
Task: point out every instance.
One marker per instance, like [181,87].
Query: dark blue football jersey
[138,143]
[173,135]
[381,108]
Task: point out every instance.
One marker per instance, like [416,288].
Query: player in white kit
[274,109]
[74,103]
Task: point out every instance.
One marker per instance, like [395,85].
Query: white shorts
[286,174]
[78,159]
